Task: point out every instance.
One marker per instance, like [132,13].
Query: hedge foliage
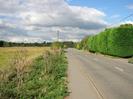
[83,44]
[114,41]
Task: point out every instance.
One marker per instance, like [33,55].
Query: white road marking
[120,69]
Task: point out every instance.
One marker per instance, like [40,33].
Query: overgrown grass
[7,53]
[131,60]
[45,78]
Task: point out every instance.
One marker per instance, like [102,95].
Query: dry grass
[131,60]
[8,53]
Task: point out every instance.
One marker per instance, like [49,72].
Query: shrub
[57,45]
[83,44]
[77,45]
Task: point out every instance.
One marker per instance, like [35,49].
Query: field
[7,53]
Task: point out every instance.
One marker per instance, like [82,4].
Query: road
[94,76]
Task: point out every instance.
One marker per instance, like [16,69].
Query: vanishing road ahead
[94,76]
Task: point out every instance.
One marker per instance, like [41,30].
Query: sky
[40,20]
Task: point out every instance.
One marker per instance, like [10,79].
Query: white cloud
[130,6]
[40,19]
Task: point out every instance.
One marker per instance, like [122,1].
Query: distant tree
[65,44]
[1,43]
[126,25]
[6,44]
[68,44]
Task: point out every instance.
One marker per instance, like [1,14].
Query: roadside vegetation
[131,60]
[83,44]
[116,41]
[43,77]
[57,45]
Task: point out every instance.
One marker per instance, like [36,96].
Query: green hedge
[113,41]
[83,44]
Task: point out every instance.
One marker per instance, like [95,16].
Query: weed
[131,60]
[45,78]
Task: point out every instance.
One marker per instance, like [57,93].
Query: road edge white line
[89,78]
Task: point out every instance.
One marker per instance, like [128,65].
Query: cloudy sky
[39,20]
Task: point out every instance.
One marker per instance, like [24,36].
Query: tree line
[43,44]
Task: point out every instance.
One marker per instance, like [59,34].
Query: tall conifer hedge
[114,41]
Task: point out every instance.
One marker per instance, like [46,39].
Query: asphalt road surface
[110,78]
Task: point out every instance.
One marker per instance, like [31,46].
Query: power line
[126,17]
[58,34]
[130,15]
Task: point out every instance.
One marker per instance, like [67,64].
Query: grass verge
[131,60]
[45,78]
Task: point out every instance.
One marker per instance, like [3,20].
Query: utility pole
[58,33]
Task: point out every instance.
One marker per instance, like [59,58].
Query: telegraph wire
[121,20]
